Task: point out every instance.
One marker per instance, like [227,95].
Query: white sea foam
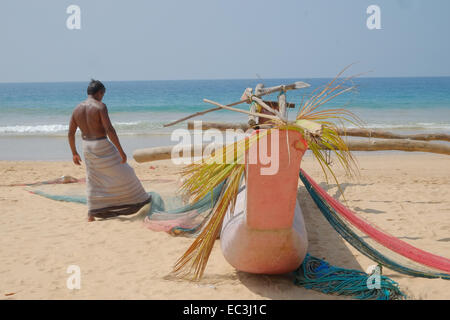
[46,128]
[156,128]
[132,127]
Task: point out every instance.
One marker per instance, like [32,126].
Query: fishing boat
[265,233]
[258,216]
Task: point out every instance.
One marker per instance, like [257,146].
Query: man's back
[88,118]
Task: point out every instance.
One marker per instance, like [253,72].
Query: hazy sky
[210,39]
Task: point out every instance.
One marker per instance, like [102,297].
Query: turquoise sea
[34,116]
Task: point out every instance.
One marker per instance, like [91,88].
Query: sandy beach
[407,195]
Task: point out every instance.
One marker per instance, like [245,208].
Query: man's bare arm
[111,132]
[71,135]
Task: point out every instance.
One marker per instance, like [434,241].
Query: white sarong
[112,187]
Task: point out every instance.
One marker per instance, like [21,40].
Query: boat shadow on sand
[323,242]
[343,186]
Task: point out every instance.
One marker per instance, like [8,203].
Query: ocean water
[34,116]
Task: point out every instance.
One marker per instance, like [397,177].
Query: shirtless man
[112,186]
[91,116]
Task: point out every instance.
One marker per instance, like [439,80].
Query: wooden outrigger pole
[247,97]
[164,153]
[350,132]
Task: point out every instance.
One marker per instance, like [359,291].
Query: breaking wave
[137,127]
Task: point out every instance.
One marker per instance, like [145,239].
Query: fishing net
[319,275]
[169,211]
[371,241]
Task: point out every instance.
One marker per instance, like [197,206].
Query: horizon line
[217,79]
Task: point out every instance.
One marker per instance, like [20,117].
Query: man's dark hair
[95,86]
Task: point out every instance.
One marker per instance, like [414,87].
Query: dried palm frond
[329,138]
[194,260]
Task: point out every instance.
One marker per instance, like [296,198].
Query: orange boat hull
[266,233]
